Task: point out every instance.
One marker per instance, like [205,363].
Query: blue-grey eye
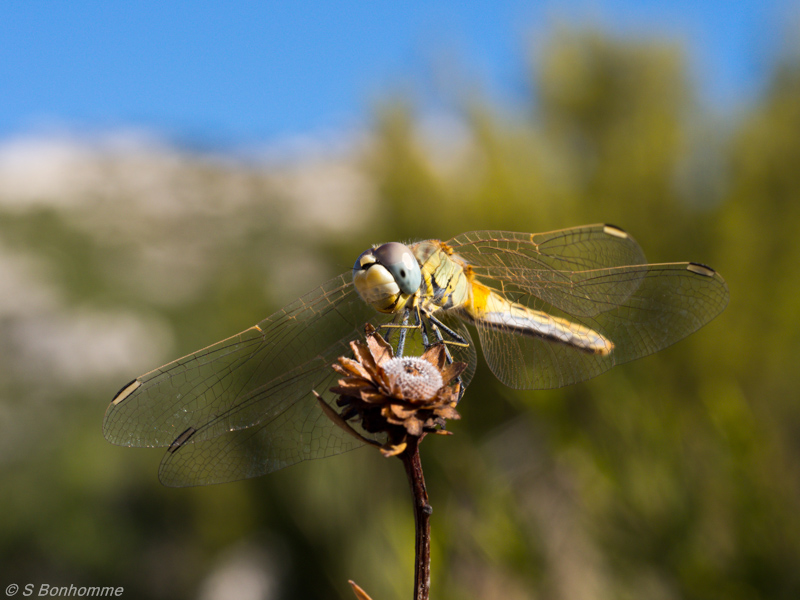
[400,262]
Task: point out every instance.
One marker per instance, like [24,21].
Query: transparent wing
[640,308]
[243,407]
[299,432]
[262,376]
[575,249]
[459,353]
[547,265]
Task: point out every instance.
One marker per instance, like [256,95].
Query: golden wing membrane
[576,249]
[640,308]
[552,265]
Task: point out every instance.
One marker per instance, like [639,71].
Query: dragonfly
[550,309]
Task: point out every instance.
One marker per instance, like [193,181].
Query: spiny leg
[453,334]
[401,343]
[393,326]
[389,328]
[438,327]
[422,326]
[403,326]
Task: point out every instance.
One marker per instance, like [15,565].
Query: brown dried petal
[448,412]
[351,386]
[362,354]
[340,369]
[401,412]
[449,395]
[339,421]
[414,426]
[360,593]
[393,449]
[358,382]
[344,391]
[388,416]
[443,397]
[351,367]
[436,355]
[382,381]
[452,371]
[372,396]
[380,349]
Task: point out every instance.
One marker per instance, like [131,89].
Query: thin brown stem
[422,514]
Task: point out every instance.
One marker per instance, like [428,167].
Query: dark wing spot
[181,440]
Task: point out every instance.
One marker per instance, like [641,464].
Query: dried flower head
[401,396]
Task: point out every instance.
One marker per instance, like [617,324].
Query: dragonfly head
[386,276]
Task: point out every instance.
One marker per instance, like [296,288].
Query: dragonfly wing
[461,353]
[298,432]
[575,249]
[548,264]
[301,431]
[667,303]
[260,378]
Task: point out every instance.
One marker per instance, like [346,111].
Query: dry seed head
[398,396]
[414,377]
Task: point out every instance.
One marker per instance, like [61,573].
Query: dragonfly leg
[420,322]
[403,327]
[441,339]
[438,327]
[391,327]
[401,342]
[459,341]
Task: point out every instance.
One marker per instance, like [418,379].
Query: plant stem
[422,514]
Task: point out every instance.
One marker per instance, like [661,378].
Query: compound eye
[364,261]
[400,262]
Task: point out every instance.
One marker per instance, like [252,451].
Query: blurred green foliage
[676,476]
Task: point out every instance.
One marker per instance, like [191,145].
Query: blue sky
[236,72]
